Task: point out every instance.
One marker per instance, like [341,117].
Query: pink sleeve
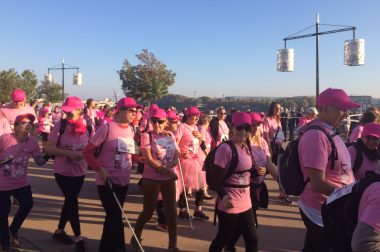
[89,155]
[179,133]
[223,155]
[100,135]
[355,134]
[265,147]
[145,141]
[314,149]
[54,134]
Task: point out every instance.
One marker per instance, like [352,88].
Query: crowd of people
[171,147]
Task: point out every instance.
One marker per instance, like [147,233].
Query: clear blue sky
[216,47]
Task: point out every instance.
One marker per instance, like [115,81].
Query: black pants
[199,196]
[229,224]
[113,227]
[70,187]
[316,238]
[160,210]
[25,200]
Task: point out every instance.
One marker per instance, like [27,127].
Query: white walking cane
[108,181]
[184,192]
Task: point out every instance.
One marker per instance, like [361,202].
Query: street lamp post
[353,50]
[77,77]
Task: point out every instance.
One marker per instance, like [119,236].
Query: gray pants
[365,239]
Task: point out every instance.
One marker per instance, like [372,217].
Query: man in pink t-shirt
[323,174]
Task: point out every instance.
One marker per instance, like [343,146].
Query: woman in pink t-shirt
[15,150]
[44,126]
[66,142]
[109,153]
[219,130]
[368,117]
[365,147]
[234,207]
[160,153]
[189,140]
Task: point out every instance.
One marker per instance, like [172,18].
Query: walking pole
[183,187]
[108,181]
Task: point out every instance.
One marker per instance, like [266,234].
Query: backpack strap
[234,161]
[334,153]
[358,159]
[61,131]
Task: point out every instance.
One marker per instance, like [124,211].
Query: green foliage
[148,80]
[10,80]
[51,92]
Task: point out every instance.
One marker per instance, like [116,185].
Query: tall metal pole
[317,58]
[63,80]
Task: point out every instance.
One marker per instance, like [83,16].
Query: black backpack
[359,156]
[291,178]
[209,167]
[340,213]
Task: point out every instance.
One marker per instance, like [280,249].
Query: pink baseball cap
[172,115]
[157,113]
[153,106]
[335,97]
[192,111]
[127,102]
[71,103]
[18,95]
[44,110]
[255,118]
[371,129]
[31,117]
[240,118]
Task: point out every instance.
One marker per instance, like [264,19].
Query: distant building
[365,101]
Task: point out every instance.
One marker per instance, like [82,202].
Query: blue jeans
[25,199]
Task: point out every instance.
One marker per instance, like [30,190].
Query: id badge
[166,143]
[126,145]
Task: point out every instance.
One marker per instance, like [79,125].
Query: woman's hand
[103,174]
[261,171]
[75,155]
[168,171]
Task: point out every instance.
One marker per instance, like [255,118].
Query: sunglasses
[173,122]
[244,126]
[221,113]
[129,110]
[154,121]
[372,138]
[23,123]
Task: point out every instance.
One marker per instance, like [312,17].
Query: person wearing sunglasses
[66,142]
[234,207]
[15,150]
[109,153]
[173,120]
[218,128]
[189,140]
[161,153]
[364,151]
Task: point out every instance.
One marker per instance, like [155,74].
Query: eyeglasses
[244,126]
[127,109]
[372,138]
[23,123]
[133,111]
[222,113]
[173,122]
[154,121]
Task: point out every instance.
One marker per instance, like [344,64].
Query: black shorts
[44,136]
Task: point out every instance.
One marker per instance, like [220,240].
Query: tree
[10,80]
[148,80]
[51,92]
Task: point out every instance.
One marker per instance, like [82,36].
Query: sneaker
[200,215]
[162,227]
[184,215]
[135,245]
[285,200]
[80,246]
[63,238]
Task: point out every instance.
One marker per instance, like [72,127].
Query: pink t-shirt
[188,143]
[163,148]
[314,150]
[44,125]
[63,165]
[223,132]
[11,113]
[239,197]
[114,156]
[303,121]
[369,207]
[270,127]
[13,175]
[260,154]
[356,133]
[5,128]
[367,164]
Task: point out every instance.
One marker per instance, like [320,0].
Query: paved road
[281,228]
